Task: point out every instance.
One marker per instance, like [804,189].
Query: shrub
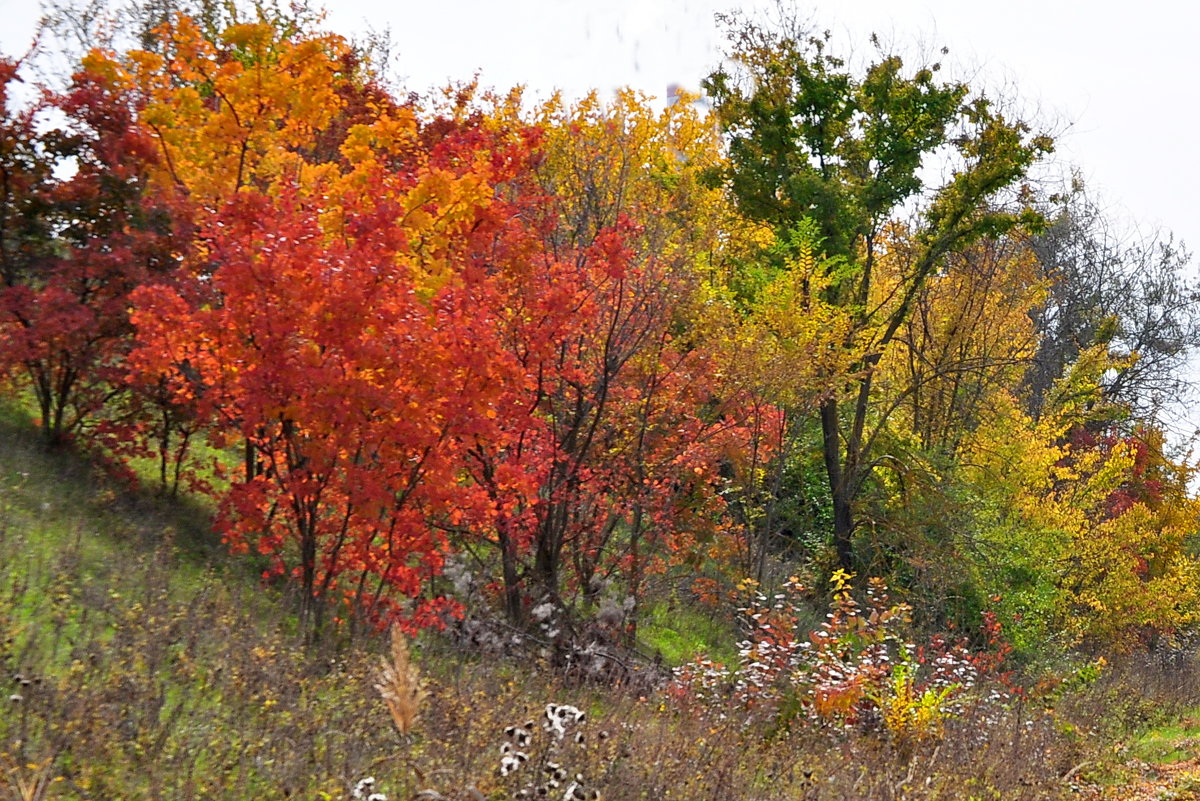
[854,671]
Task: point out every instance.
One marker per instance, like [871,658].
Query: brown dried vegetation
[137,671]
[399,684]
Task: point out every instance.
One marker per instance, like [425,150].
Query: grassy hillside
[140,664]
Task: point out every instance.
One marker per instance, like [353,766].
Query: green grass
[78,543]
[58,496]
[156,665]
[1174,741]
[681,633]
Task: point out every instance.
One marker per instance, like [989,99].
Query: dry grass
[30,782]
[145,680]
[399,684]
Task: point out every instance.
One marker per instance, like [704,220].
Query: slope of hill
[142,665]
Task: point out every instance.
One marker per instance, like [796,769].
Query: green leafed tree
[811,138]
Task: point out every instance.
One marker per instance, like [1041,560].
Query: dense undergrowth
[720,450]
[141,665]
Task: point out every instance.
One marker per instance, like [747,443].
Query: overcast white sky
[1117,81]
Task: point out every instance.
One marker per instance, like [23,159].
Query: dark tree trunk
[839,485]
[512,580]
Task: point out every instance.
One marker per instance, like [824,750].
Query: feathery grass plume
[399,683]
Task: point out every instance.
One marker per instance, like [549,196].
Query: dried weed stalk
[399,683]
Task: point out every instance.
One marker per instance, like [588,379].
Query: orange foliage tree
[632,418]
[355,382]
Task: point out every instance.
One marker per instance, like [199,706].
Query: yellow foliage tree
[1084,527]
[237,111]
